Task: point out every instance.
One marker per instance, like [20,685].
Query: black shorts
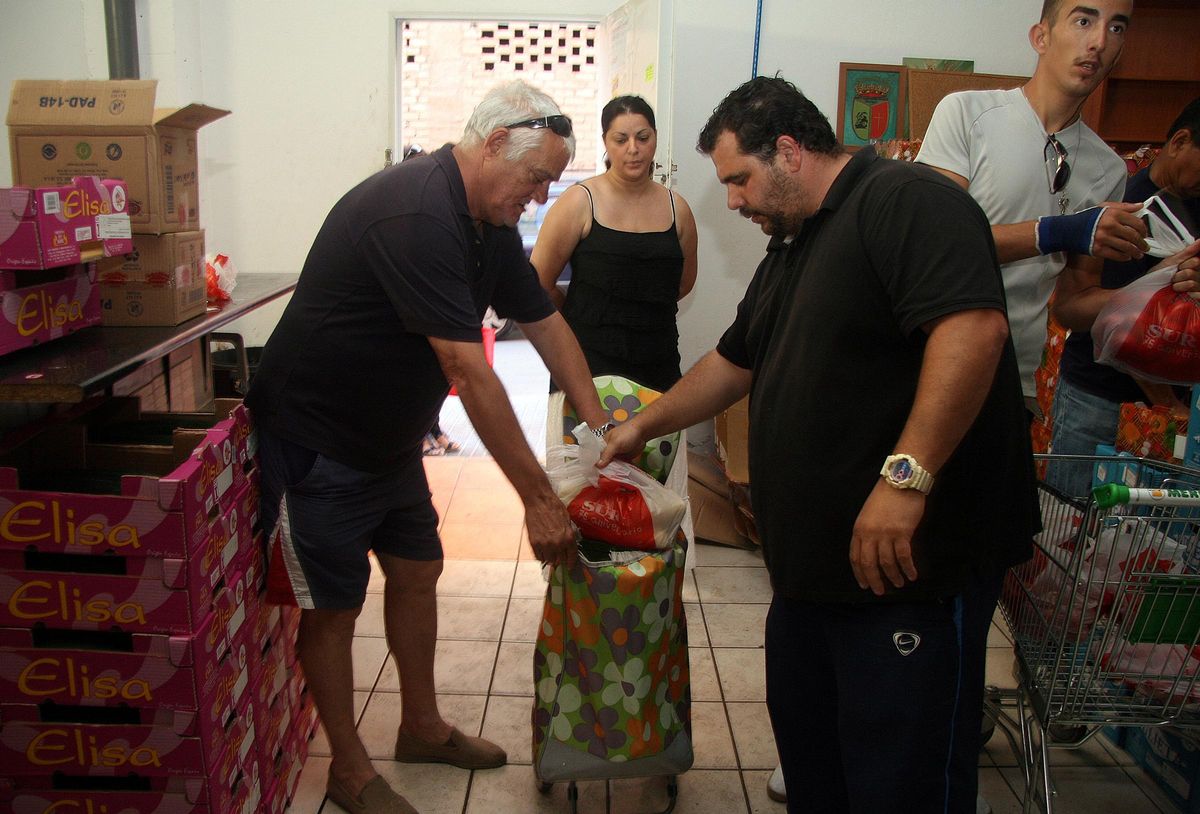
[329,515]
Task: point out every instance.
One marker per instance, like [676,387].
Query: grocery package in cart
[1105,617]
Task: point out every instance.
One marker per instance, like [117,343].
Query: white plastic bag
[620,504]
[1150,331]
[1166,234]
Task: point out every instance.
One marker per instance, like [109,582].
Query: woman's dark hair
[622,105]
[763,109]
[619,106]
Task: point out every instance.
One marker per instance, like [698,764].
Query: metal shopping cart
[1105,618]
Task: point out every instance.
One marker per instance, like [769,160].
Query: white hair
[508,103]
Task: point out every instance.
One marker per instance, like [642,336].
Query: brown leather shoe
[377,797]
[461,750]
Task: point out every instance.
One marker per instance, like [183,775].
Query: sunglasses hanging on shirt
[1062,171]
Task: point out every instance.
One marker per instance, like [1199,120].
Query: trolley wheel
[1066,733]
[543,787]
[672,795]
[573,797]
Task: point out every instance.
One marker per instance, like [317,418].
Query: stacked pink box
[49,238]
[140,669]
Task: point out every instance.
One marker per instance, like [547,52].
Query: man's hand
[1119,235]
[552,535]
[881,548]
[623,441]
[1187,278]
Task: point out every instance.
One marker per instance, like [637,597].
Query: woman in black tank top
[632,247]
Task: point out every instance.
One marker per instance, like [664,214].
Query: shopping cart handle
[1115,494]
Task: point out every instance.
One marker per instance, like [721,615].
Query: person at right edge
[1087,402]
[893,482]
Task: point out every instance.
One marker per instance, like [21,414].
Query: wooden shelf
[76,366]
[1159,73]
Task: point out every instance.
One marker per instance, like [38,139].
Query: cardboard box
[40,306]
[41,801]
[190,377]
[1173,762]
[230,787]
[161,671]
[61,129]
[208,722]
[161,281]
[732,430]
[121,432]
[48,227]
[712,508]
[148,516]
[164,600]
[278,798]
[1191,449]
[182,381]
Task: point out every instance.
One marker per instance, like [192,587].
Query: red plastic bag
[620,504]
[1150,331]
[221,276]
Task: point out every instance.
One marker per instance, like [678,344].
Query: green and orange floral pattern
[611,663]
[621,398]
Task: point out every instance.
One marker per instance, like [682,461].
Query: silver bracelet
[602,431]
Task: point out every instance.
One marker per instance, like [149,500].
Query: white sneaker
[981,806]
[775,788]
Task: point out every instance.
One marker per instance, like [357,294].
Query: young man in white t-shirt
[1049,185]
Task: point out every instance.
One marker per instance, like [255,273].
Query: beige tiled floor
[490,601]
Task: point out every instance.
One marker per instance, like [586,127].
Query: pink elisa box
[49,306]
[46,227]
[228,781]
[227,414]
[117,434]
[271,727]
[129,515]
[135,594]
[51,801]
[174,795]
[228,698]
[286,770]
[166,672]
[278,797]
[146,595]
[115,750]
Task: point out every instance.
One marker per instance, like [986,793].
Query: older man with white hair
[385,318]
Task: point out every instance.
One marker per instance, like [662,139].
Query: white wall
[804,41]
[310,84]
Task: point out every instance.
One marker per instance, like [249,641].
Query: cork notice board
[927,88]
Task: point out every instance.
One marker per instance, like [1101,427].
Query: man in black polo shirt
[385,318]
[876,337]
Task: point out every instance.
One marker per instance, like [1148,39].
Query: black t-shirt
[831,329]
[349,371]
[1078,365]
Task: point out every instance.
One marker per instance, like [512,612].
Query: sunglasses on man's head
[1062,173]
[558,124]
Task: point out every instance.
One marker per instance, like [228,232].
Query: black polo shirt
[348,371]
[831,329]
